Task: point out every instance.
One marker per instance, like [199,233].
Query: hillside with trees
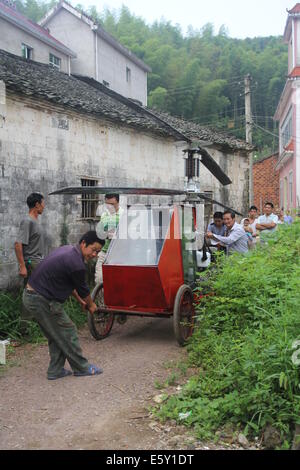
[200,75]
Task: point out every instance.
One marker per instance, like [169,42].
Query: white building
[98,54]
[27,39]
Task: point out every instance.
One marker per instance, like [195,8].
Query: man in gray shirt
[236,239]
[29,246]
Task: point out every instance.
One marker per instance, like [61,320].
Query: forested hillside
[200,75]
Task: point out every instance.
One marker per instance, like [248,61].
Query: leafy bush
[243,344]
[12,327]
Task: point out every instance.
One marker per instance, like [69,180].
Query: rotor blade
[219,204]
[73,190]
[214,168]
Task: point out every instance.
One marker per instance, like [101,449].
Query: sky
[243,18]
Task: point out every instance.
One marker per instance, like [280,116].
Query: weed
[243,344]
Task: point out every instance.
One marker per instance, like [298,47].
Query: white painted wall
[11,39]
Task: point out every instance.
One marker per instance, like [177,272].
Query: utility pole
[248,113]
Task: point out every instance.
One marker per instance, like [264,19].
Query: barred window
[89,202]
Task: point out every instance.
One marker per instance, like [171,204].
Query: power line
[265,130]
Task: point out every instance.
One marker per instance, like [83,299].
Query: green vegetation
[12,327]
[200,75]
[244,343]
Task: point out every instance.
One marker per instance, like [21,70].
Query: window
[89,202]
[128,75]
[54,61]
[287,130]
[291,188]
[26,51]
[105,83]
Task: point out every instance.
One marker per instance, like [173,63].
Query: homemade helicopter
[154,275]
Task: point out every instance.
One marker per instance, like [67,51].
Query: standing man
[59,275]
[236,239]
[268,222]
[29,246]
[105,230]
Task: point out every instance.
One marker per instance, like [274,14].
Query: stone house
[23,37]
[58,130]
[98,54]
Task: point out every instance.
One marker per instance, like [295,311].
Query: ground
[109,411]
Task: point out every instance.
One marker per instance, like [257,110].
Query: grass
[244,343]
[10,319]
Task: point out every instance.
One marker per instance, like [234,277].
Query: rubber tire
[91,318]
[177,318]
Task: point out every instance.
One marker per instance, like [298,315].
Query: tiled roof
[197,132]
[87,96]
[22,22]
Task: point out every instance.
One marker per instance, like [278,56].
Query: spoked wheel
[100,324]
[183,315]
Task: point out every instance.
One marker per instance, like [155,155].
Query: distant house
[99,55]
[266,182]
[23,37]
[288,115]
[58,130]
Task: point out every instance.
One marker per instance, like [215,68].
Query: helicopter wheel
[100,324]
[183,315]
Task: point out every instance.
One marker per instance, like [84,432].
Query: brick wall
[266,182]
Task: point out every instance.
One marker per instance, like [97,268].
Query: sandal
[63,373]
[92,370]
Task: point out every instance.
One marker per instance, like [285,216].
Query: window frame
[89,203]
[52,63]
[25,48]
[286,130]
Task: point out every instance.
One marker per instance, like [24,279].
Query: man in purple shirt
[59,275]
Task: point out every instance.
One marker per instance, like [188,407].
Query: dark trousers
[25,315]
[59,330]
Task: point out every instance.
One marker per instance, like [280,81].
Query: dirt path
[102,412]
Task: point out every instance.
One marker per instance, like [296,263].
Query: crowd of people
[226,234]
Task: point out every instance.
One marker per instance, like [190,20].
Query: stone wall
[45,147]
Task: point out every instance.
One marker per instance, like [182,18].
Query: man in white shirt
[267,223]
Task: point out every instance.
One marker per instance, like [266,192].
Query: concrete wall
[112,68]
[11,39]
[110,65]
[43,147]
